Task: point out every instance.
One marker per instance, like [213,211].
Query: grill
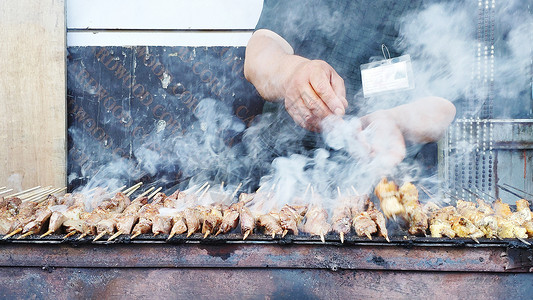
[294,266]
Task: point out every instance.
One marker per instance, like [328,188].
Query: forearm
[269,63]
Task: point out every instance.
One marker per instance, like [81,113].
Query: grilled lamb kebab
[317,222]
[230,219]
[130,215]
[270,223]
[290,218]
[508,227]
[342,219]
[440,222]
[8,214]
[389,198]
[247,220]
[378,218]
[71,209]
[213,219]
[524,216]
[41,215]
[179,226]
[147,213]
[104,210]
[415,215]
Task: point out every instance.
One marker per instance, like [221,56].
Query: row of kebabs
[180,213]
[467,219]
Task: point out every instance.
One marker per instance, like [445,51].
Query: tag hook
[383,48]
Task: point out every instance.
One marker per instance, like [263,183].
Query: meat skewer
[290,218]
[389,198]
[41,215]
[270,223]
[212,220]
[342,216]
[129,216]
[247,222]
[9,212]
[414,214]
[72,207]
[317,219]
[379,219]
[147,214]
[108,207]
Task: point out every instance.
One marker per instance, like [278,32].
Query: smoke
[285,159]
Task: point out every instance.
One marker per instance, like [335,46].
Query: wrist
[288,65]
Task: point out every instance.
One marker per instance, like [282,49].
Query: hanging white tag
[389,75]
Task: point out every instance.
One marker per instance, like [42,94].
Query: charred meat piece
[161,224]
[270,223]
[230,218]
[389,198]
[41,215]
[193,217]
[8,214]
[125,221]
[414,214]
[247,222]
[342,221]
[212,220]
[291,217]
[364,225]
[380,221]
[179,226]
[317,222]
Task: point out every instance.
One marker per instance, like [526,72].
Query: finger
[337,83]
[300,113]
[313,102]
[322,86]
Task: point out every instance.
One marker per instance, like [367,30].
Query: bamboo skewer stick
[146,192]
[1,188]
[222,187]
[25,235]
[25,191]
[82,236]
[73,232]
[355,191]
[6,191]
[99,236]
[135,186]
[12,233]
[201,188]
[246,234]
[38,195]
[132,190]
[236,190]
[35,192]
[205,191]
[114,236]
[118,190]
[135,235]
[43,196]
[155,192]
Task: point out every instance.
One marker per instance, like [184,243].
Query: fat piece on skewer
[389,198]
[414,214]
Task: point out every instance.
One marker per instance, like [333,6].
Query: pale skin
[312,90]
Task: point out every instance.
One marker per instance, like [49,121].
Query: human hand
[314,91]
[383,138]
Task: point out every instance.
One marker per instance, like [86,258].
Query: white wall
[161,22]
